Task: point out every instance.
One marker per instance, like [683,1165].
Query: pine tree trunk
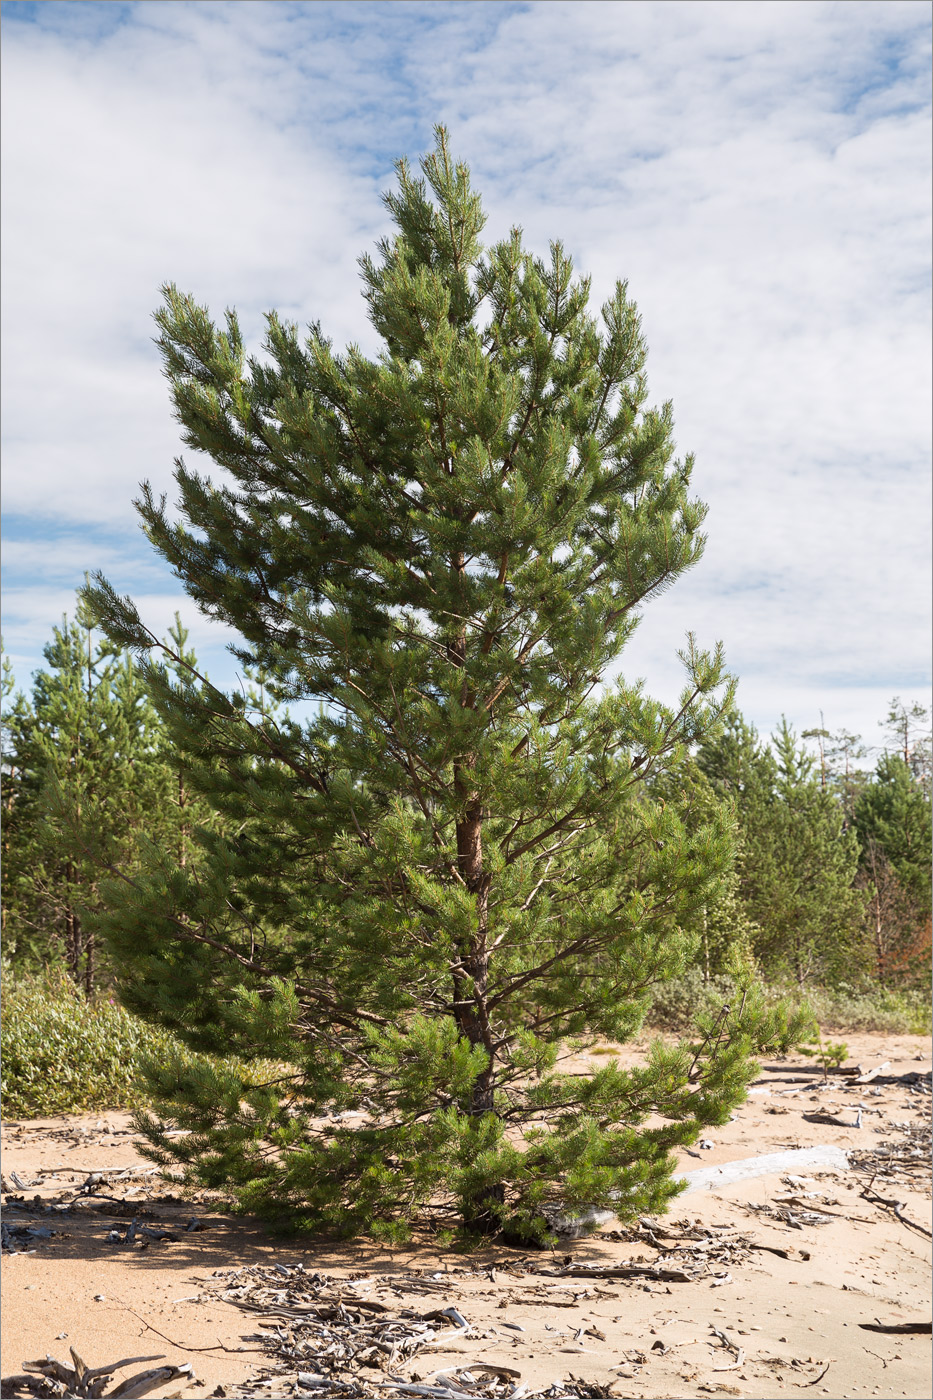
[183,826]
[471,982]
[471,979]
[89,964]
[879,938]
[71,931]
[71,946]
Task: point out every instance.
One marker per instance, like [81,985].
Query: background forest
[829,893]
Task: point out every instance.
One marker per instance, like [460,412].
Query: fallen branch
[784,1251]
[732,1346]
[897,1327]
[626,1271]
[866,1076]
[897,1207]
[180,1345]
[803,1384]
[771,1163]
[88,1383]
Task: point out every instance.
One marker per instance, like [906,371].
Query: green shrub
[848,1008]
[829,1054]
[63,1054]
[839,1008]
[677,1003]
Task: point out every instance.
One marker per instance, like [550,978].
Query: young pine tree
[75,754]
[893,812]
[908,726]
[798,861]
[893,824]
[725,932]
[442,872]
[88,776]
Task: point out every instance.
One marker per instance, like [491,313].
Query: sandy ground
[796,1318]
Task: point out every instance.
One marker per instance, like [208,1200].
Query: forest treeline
[831,878]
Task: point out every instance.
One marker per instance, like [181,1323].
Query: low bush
[64,1054]
[678,1003]
[840,1008]
[896,1012]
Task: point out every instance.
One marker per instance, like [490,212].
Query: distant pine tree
[798,862]
[88,777]
[895,834]
[431,882]
[893,812]
[725,932]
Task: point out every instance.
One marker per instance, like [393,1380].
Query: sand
[796,1318]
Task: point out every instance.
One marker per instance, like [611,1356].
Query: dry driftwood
[833,1119]
[46,1378]
[828,1157]
[655,1271]
[865,1076]
[897,1327]
[897,1207]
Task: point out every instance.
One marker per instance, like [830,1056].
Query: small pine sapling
[828,1053]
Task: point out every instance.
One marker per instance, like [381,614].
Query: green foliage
[847,1008]
[414,896]
[377,1175]
[675,1004]
[725,933]
[830,1054]
[798,861]
[892,819]
[87,771]
[839,774]
[63,1054]
[908,727]
[894,813]
[842,1007]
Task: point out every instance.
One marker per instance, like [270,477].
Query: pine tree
[839,754]
[893,821]
[896,924]
[893,812]
[797,863]
[182,811]
[909,728]
[738,765]
[87,775]
[430,882]
[726,934]
[19,827]
[847,780]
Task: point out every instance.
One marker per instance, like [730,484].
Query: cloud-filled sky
[759,172]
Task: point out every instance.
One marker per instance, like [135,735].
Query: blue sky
[758,170]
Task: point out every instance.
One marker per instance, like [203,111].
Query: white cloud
[127,166]
[24,636]
[758,171]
